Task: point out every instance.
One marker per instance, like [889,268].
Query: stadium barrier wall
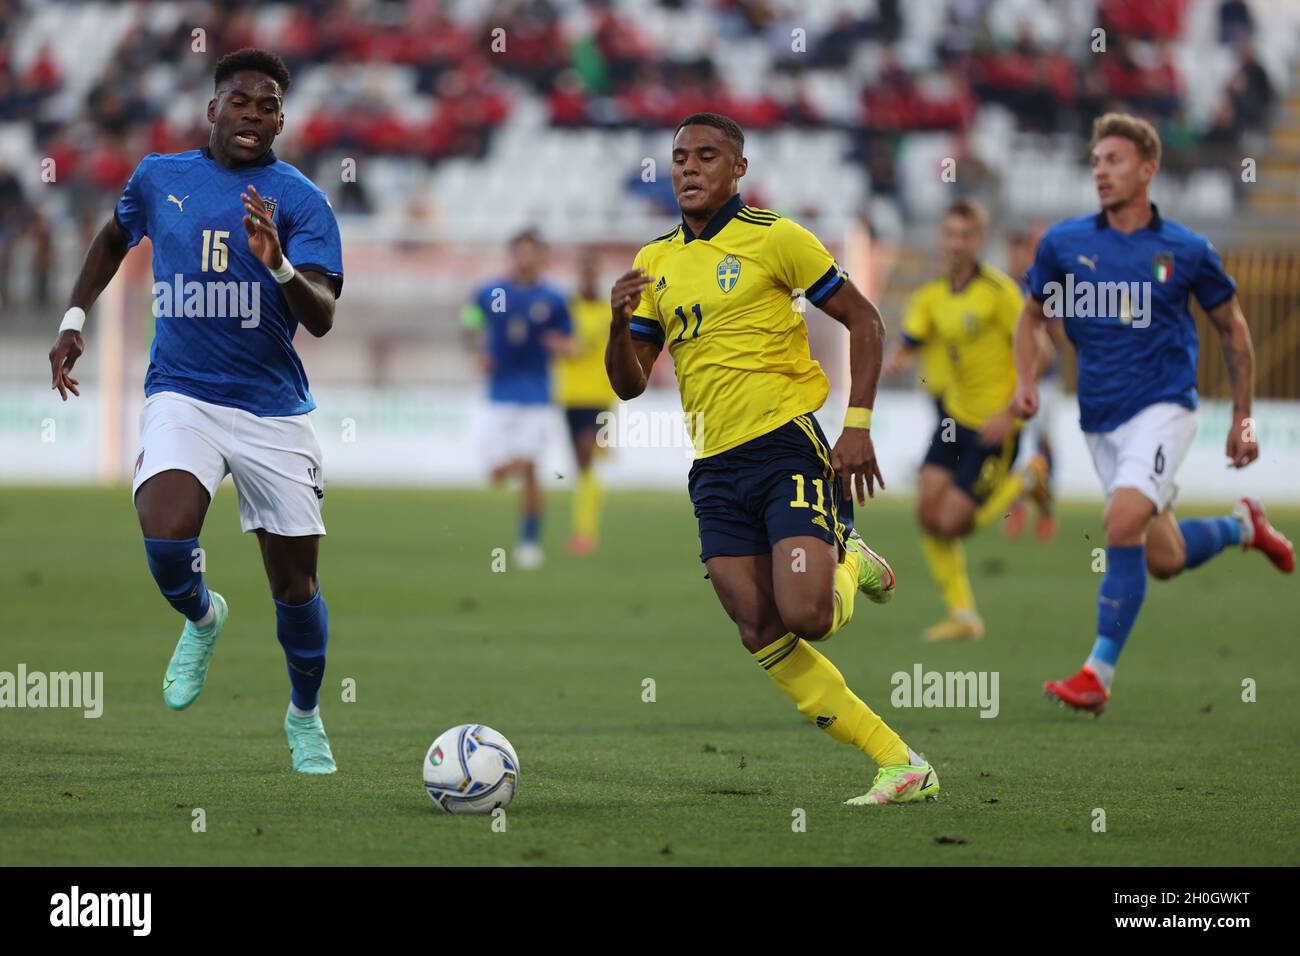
[431,437]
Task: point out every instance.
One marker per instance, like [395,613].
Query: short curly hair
[251,58]
[729,127]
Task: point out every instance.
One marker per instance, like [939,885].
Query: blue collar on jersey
[720,219]
[1154,225]
[266,159]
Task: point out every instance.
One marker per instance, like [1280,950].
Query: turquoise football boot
[188,668]
[308,744]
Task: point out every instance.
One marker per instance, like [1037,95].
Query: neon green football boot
[188,668]
[308,744]
[875,576]
[903,783]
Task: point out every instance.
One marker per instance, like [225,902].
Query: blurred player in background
[582,389]
[517,324]
[1137,384]
[226,391]
[1036,437]
[970,313]
[725,290]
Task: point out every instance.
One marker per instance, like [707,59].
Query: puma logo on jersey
[180,203]
[1090,263]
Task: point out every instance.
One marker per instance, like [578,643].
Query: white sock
[1247,527]
[208,617]
[1105,672]
[297,712]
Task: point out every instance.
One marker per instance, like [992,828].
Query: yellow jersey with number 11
[729,304]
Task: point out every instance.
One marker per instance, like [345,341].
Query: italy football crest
[728,273]
[1164,266]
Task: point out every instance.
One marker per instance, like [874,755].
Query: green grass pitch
[712,772]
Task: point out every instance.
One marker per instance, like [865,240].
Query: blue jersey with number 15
[224,332]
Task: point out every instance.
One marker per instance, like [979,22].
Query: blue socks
[303,631]
[531,527]
[1206,537]
[172,564]
[1122,591]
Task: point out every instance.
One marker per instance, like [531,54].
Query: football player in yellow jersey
[726,291]
[582,389]
[971,312]
[934,370]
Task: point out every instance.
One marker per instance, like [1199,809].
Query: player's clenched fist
[1025,402]
[1243,446]
[625,295]
[63,356]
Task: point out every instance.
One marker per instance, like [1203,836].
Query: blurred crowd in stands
[613,75]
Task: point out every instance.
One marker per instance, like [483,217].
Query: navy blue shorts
[581,420]
[778,485]
[976,469]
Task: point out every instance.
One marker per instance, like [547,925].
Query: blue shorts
[582,419]
[778,485]
[976,468]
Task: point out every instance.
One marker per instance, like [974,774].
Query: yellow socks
[846,588]
[947,561]
[586,505]
[1003,497]
[818,690]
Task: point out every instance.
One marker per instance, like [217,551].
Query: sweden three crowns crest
[728,273]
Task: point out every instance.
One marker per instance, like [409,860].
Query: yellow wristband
[857,418]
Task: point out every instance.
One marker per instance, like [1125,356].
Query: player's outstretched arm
[310,295]
[628,361]
[854,456]
[1239,357]
[1028,358]
[103,258]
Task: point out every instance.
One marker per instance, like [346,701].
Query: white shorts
[275,462]
[513,431]
[1040,426]
[1145,452]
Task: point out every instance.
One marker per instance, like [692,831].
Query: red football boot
[1082,692]
[1262,536]
[1015,522]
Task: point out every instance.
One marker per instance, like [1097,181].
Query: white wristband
[73,319]
[285,272]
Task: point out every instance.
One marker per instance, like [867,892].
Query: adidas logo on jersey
[661,284]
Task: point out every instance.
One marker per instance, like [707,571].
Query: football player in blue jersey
[517,324]
[245,248]
[1121,280]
